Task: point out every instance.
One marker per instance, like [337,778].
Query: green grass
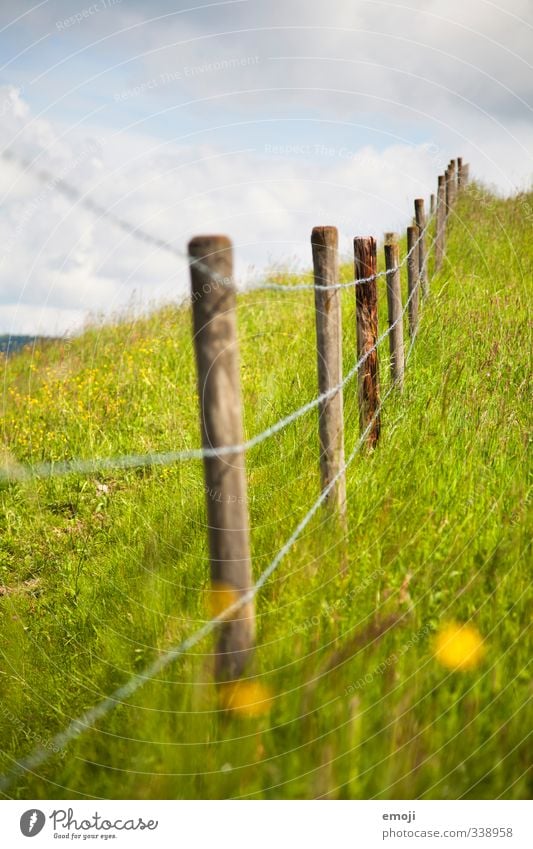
[96,582]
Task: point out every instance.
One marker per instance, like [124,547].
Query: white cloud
[58,255]
[270,120]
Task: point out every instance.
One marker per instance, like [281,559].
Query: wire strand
[18,472]
[88,719]
[66,188]
[300,287]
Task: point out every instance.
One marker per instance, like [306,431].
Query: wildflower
[247,699]
[220,597]
[459,647]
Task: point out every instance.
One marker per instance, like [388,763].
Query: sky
[255,118]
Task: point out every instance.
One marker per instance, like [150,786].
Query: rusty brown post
[366,307]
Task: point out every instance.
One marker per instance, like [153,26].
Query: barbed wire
[300,287]
[66,188]
[14,471]
[88,719]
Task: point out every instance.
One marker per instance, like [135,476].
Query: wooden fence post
[465,174]
[366,308]
[217,361]
[453,184]
[394,304]
[447,182]
[459,173]
[413,287]
[325,242]
[432,204]
[441,223]
[420,216]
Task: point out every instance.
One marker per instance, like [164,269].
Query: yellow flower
[220,597]
[247,699]
[459,647]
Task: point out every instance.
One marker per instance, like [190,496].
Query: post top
[326,235]
[204,245]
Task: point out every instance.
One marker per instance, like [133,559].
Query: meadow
[99,573]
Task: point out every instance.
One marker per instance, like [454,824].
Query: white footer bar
[268,825]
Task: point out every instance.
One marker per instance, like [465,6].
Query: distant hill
[10,344]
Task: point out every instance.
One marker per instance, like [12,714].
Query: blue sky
[258,119]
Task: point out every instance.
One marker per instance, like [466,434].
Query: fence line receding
[213,298]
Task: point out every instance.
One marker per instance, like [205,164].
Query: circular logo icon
[32,822]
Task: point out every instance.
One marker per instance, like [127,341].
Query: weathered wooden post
[366,308]
[465,175]
[453,185]
[441,223]
[324,241]
[459,173]
[432,204]
[394,304]
[217,361]
[420,216]
[413,287]
[447,183]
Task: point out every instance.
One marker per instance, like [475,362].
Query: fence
[213,297]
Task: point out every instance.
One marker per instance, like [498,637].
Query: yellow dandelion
[459,647]
[220,597]
[246,699]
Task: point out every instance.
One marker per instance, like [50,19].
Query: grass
[100,573]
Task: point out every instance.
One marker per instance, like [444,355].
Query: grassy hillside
[100,573]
